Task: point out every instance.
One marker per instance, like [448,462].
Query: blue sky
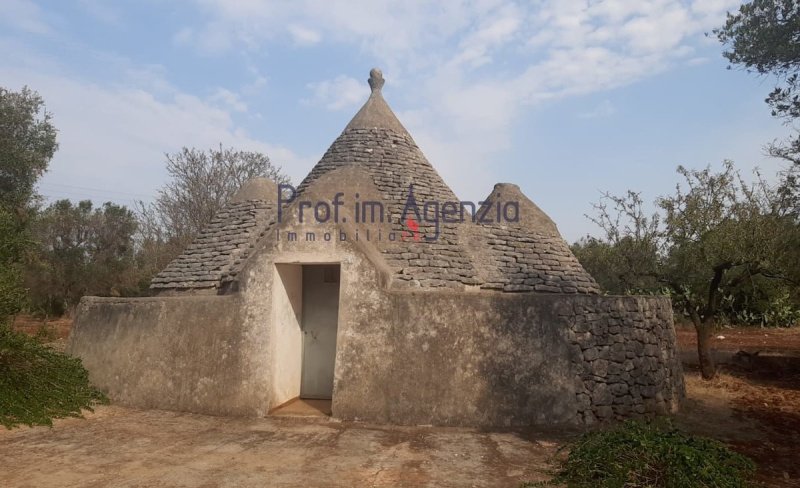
[564,98]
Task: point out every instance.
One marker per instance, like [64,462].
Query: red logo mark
[412,224]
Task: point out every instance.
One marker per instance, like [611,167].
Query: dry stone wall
[624,352]
[503,359]
[444,358]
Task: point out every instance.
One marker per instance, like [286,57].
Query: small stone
[604,412]
[601,395]
[600,367]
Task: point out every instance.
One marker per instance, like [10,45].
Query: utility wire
[93,194]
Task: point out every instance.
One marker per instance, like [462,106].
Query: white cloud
[102,11]
[303,35]
[339,93]
[113,136]
[229,99]
[495,30]
[462,71]
[473,67]
[183,37]
[697,61]
[603,110]
[398,30]
[23,15]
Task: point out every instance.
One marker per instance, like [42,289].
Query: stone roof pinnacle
[376,80]
[376,114]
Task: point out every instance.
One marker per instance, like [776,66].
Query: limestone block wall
[441,358]
[492,359]
[625,358]
[190,353]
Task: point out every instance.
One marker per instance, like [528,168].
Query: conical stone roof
[215,256]
[525,255]
[377,142]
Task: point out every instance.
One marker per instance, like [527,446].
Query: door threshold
[303,407]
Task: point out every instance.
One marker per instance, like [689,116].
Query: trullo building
[373,286]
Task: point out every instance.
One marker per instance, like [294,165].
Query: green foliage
[626,260]
[721,247]
[764,36]
[12,245]
[82,250]
[38,384]
[27,143]
[764,304]
[653,455]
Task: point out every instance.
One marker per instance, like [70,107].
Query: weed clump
[654,455]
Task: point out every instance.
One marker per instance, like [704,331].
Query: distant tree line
[52,255]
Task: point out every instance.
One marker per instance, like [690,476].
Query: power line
[95,190]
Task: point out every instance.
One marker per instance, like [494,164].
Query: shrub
[643,454]
[38,384]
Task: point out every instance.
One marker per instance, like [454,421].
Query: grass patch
[38,384]
[651,454]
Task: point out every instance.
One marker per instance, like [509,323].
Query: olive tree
[81,250]
[715,233]
[764,36]
[27,144]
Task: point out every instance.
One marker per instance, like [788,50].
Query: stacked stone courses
[216,255]
[506,257]
[622,369]
[526,261]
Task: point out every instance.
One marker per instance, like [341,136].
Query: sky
[567,99]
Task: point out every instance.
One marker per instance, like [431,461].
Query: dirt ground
[52,331]
[753,405]
[147,448]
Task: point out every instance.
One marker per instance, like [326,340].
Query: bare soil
[751,339]
[753,405]
[52,331]
[123,447]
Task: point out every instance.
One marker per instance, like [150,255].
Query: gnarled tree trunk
[705,331]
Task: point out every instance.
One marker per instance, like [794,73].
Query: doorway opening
[306,301]
[319,326]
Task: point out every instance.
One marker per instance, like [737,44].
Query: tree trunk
[705,331]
